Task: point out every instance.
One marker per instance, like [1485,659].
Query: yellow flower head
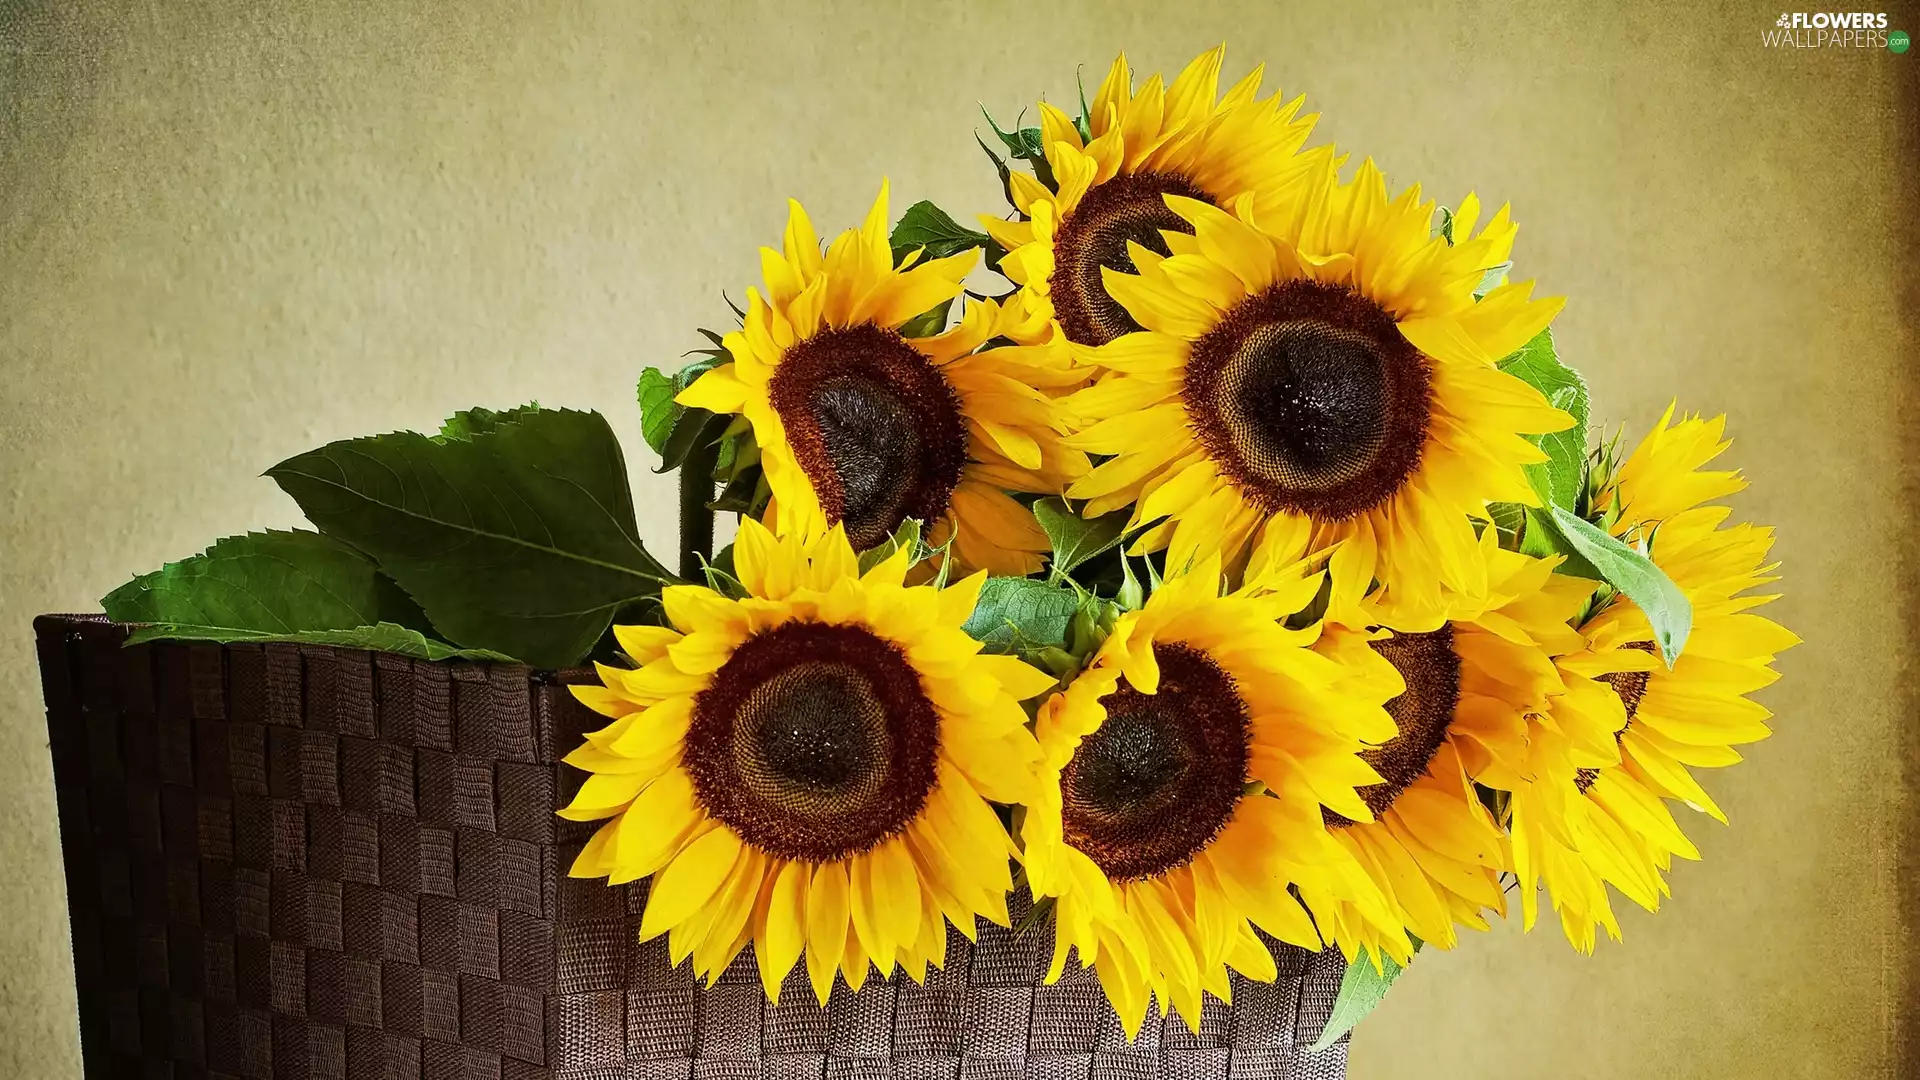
[1324,385]
[1161,856]
[1162,140]
[863,427]
[1593,820]
[807,768]
[1469,698]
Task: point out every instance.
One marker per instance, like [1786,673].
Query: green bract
[1361,988]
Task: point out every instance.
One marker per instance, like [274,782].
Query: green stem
[696,520]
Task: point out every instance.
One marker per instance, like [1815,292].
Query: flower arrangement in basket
[1243,565]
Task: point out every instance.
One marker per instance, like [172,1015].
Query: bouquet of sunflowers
[1242,566]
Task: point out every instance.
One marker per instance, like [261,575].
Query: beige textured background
[234,231]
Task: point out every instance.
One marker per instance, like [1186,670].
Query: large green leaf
[1077,539]
[1668,610]
[1560,478]
[266,582]
[380,637]
[925,225]
[519,540]
[1019,613]
[479,420]
[1361,988]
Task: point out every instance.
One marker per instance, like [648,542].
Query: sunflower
[1330,388]
[807,768]
[1161,857]
[861,426]
[1109,190]
[1585,825]
[1467,700]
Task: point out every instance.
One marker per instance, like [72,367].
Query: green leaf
[1000,167]
[1668,610]
[657,409]
[1560,479]
[1510,519]
[1020,142]
[380,637]
[1076,539]
[695,428]
[1090,625]
[1019,612]
[1023,143]
[1083,123]
[1132,595]
[1361,988]
[1037,916]
[520,540]
[744,494]
[1492,278]
[269,582]
[660,415]
[707,360]
[478,420]
[720,575]
[928,323]
[1027,144]
[906,536]
[739,452]
[943,554]
[1541,538]
[925,225]
[1316,608]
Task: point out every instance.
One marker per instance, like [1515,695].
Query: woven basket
[297,862]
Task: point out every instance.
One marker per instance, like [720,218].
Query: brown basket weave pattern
[296,862]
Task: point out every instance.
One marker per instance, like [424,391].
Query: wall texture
[232,231]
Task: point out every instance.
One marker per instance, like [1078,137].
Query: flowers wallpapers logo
[1828,29]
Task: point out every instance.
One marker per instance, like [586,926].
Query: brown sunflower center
[1423,711]
[876,427]
[1160,778]
[1095,235]
[1310,400]
[1631,686]
[813,742]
